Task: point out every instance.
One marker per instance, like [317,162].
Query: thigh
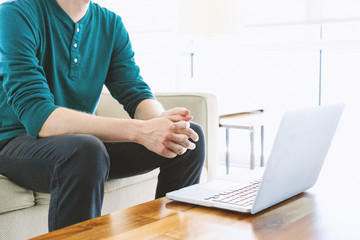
[129,159]
[31,162]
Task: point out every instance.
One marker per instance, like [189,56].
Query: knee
[89,158]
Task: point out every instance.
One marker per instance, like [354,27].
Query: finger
[177,114]
[166,152]
[184,128]
[174,147]
[182,140]
[178,111]
[181,125]
[192,134]
[178,118]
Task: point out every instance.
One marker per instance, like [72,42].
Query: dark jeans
[74,168]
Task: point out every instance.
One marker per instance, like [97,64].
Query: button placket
[74,52]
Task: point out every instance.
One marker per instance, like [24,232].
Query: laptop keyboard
[243,196]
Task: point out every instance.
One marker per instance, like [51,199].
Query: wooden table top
[320,213]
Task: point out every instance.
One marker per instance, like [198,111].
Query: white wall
[274,63]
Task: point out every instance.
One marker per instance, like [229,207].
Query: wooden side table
[247,121]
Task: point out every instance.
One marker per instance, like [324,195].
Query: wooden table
[321,213]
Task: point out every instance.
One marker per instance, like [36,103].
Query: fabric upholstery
[14,197]
[23,213]
[110,186]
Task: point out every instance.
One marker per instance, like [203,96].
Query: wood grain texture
[164,219]
[318,214]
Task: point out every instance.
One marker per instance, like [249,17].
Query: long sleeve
[48,61]
[123,80]
[22,78]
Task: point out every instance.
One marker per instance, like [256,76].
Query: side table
[247,121]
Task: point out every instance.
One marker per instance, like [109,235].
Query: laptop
[298,153]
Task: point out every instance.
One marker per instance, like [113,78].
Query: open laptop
[299,150]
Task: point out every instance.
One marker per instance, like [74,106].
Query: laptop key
[243,196]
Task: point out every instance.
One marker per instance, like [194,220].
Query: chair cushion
[13,197]
[115,184]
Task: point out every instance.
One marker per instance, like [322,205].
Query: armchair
[23,213]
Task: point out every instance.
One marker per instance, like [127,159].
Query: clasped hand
[170,134]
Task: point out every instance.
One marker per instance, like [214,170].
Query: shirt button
[75,60]
[75,45]
[78,29]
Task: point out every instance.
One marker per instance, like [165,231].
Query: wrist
[136,132]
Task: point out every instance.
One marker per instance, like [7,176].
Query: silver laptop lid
[300,147]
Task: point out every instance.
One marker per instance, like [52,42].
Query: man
[55,57]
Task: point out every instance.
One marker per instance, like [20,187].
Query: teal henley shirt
[49,61]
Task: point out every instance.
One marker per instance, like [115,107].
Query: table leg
[252,155]
[227,159]
[262,147]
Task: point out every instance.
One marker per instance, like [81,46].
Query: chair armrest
[110,107]
[203,106]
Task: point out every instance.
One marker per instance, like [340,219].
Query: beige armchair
[23,213]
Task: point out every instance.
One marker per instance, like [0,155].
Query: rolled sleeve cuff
[34,121]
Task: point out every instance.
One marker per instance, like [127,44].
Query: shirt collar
[64,17]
